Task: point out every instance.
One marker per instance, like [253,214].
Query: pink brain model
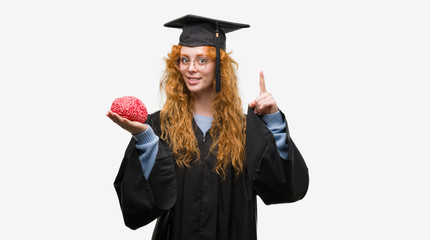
[131,108]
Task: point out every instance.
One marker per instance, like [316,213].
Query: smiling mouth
[193,80]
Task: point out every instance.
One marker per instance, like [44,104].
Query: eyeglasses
[202,62]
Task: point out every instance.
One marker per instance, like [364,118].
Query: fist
[264,103]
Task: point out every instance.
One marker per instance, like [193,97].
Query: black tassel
[217,63]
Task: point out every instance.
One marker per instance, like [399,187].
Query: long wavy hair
[228,126]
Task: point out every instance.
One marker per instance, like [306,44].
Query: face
[198,81]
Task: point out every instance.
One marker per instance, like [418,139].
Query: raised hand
[264,103]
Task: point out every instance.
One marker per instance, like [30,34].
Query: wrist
[139,129]
[145,137]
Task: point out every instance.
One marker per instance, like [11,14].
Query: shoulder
[153,120]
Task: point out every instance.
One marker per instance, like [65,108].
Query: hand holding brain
[131,108]
[129,113]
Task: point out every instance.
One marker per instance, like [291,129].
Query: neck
[203,104]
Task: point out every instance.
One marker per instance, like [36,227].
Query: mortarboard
[201,31]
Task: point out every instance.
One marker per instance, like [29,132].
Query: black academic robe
[195,203]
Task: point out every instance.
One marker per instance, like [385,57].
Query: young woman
[198,164]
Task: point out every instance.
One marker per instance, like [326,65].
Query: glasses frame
[178,63]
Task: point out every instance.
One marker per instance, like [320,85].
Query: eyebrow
[199,55]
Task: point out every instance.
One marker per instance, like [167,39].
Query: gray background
[349,75]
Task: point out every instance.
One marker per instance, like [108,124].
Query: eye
[202,60]
[184,60]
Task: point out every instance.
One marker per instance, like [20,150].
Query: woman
[199,163]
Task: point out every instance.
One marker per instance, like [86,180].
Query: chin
[199,89]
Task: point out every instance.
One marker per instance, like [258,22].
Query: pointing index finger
[262,83]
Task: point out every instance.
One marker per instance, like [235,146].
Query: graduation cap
[201,31]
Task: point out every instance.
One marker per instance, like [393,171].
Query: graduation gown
[195,203]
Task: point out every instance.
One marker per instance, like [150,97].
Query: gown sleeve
[147,149]
[274,179]
[278,127]
[142,200]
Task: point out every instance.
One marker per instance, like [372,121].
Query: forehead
[193,51]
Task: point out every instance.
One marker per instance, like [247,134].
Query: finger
[262,97]
[116,118]
[262,83]
[258,101]
[111,115]
[254,106]
[127,121]
[265,105]
[268,105]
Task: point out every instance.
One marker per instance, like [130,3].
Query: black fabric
[142,201]
[194,203]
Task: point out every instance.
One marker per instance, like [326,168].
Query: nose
[191,66]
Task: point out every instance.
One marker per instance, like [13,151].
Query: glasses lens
[200,63]
[183,62]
